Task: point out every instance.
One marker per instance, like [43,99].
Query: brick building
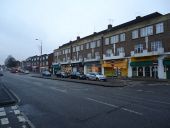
[138,48]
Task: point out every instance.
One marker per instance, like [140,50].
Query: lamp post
[40,53]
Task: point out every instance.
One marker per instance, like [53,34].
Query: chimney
[78,37]
[138,17]
[109,26]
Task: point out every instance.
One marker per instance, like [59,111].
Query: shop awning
[141,63]
[166,62]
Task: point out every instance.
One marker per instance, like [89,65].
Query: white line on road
[112,105]
[60,90]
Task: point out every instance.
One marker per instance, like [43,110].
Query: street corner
[13,117]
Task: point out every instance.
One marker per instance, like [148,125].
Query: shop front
[121,68]
[92,67]
[115,68]
[144,67]
[77,67]
[56,67]
[108,68]
[166,63]
[66,68]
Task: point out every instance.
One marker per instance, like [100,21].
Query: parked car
[46,73]
[62,74]
[95,76]
[26,72]
[77,75]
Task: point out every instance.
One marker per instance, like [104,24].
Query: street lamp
[40,45]
[40,52]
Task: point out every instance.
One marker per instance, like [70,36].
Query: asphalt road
[60,104]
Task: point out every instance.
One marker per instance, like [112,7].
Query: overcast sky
[56,22]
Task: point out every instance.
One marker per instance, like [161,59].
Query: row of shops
[157,67]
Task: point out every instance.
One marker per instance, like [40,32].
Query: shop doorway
[140,71]
[147,72]
[168,72]
[154,71]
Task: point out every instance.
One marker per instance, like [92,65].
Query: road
[60,104]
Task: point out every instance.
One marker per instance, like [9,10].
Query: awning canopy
[141,63]
[166,62]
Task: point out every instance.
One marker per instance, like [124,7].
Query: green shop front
[166,64]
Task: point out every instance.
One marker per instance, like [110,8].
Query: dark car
[77,75]
[1,74]
[62,74]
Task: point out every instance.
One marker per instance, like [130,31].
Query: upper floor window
[87,45]
[89,55]
[114,39]
[69,50]
[98,43]
[146,31]
[107,41]
[93,44]
[97,55]
[159,28]
[74,48]
[81,47]
[77,48]
[156,45]
[120,50]
[122,37]
[134,34]
[138,48]
[109,52]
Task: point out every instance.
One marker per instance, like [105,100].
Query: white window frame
[146,31]
[138,48]
[159,28]
[109,52]
[122,37]
[77,48]
[107,41]
[114,39]
[81,47]
[93,44]
[120,50]
[156,45]
[87,45]
[98,43]
[135,34]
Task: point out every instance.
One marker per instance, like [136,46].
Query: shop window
[147,71]
[140,71]
[134,71]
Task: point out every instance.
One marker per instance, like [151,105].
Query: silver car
[95,76]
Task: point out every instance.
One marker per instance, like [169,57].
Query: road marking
[14,107]
[57,89]
[3,113]
[21,119]
[17,112]
[112,105]
[2,109]
[101,102]
[4,121]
